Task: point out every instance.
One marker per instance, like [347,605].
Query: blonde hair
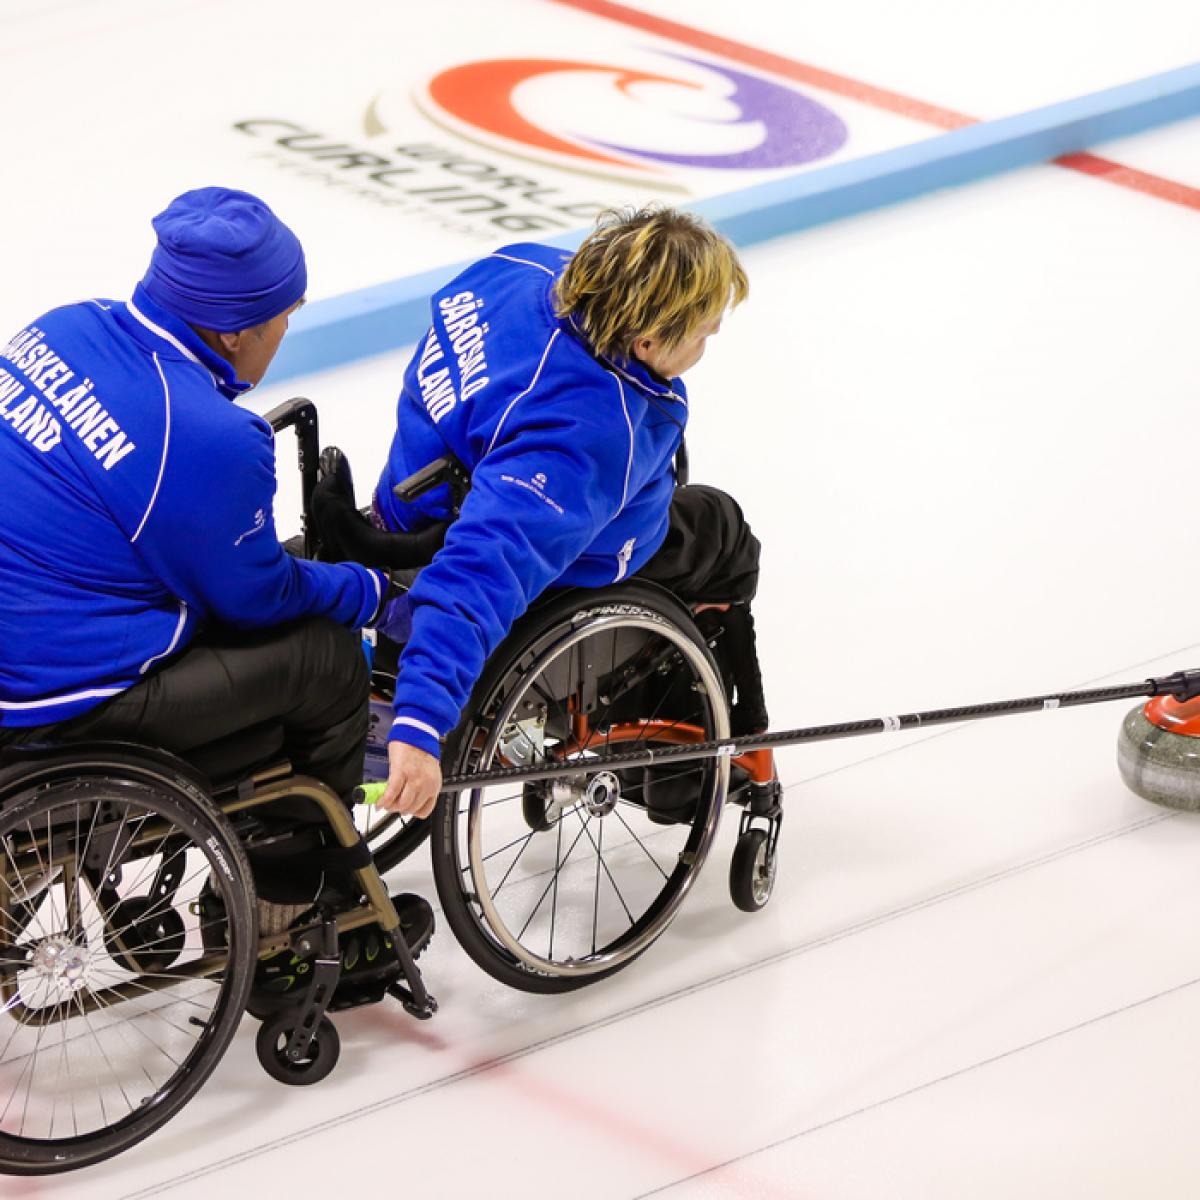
[649,272]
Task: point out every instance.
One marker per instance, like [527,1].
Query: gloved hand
[394,619]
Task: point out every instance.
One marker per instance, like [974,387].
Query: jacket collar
[632,370]
[152,323]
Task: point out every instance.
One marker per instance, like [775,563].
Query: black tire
[612,649]
[752,871]
[73,826]
[533,808]
[322,1055]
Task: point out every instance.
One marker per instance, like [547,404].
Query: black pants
[711,557]
[309,678]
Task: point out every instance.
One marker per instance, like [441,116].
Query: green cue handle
[369,793]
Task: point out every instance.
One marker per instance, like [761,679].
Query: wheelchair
[129,937]
[553,885]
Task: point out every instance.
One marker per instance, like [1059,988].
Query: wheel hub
[60,961]
[602,793]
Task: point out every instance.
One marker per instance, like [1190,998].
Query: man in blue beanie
[144,594]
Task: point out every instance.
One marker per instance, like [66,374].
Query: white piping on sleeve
[68,699]
[429,729]
[163,461]
[183,615]
[532,385]
[377,580]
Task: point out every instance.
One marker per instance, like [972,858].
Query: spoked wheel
[552,886]
[114,1006]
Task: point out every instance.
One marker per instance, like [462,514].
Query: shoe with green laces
[369,961]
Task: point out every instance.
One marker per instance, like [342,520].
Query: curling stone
[1158,752]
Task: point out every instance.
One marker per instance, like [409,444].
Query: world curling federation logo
[625,122]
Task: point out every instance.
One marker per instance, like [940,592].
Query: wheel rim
[90,1047]
[596,888]
[763,878]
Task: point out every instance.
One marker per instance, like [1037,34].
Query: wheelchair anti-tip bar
[1183,685]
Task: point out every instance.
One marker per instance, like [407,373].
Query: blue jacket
[571,472]
[137,507]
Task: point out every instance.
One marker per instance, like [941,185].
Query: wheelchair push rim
[604,863]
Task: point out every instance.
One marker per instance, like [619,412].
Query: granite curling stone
[1158,752]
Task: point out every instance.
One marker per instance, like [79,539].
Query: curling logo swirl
[613,120]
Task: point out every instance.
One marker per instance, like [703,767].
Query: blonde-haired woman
[554,379]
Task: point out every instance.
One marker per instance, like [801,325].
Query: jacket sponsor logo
[601,118]
[532,485]
[260,520]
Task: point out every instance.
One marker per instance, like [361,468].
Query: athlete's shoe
[369,961]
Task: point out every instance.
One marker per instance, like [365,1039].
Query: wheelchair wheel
[117,998]
[580,890]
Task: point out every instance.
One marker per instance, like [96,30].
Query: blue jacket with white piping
[137,508]
[570,458]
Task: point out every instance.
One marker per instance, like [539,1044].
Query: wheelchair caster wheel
[533,808]
[144,935]
[318,1060]
[752,871]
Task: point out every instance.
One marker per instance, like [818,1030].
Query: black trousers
[710,556]
[309,677]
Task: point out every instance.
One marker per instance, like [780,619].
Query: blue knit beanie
[224,261]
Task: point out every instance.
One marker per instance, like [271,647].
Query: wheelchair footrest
[422,1010]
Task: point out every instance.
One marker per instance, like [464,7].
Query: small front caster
[534,808]
[282,1054]
[752,870]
